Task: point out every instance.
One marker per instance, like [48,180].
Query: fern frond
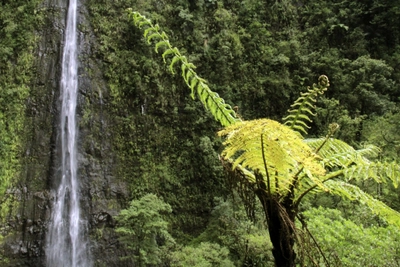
[221,111]
[317,181]
[313,185]
[285,153]
[352,192]
[381,172]
[239,170]
[155,35]
[302,109]
[336,153]
[347,164]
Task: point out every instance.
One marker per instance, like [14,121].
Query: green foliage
[302,109]
[272,149]
[331,111]
[163,142]
[355,163]
[349,164]
[336,153]
[211,100]
[273,160]
[359,62]
[353,192]
[248,241]
[18,20]
[144,231]
[289,166]
[204,255]
[255,55]
[384,132]
[347,244]
[257,149]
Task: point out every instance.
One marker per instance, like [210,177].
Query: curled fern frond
[323,82]
[221,111]
[303,108]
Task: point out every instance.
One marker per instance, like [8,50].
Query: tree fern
[303,107]
[274,161]
[283,168]
[221,111]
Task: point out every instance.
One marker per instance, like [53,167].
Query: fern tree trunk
[281,218]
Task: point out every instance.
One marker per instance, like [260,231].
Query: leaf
[302,109]
[174,60]
[189,74]
[193,84]
[202,92]
[352,192]
[336,153]
[151,36]
[183,67]
[381,172]
[164,36]
[211,101]
[285,152]
[162,43]
[144,22]
[147,31]
[166,53]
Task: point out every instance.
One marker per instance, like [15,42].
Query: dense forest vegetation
[183,209]
[259,56]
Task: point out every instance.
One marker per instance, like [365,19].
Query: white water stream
[67,245]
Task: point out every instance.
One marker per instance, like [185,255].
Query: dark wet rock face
[102,195]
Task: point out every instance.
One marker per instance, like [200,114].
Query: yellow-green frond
[250,144]
[381,172]
[352,192]
[336,153]
[313,184]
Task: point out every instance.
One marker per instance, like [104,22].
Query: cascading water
[66,242]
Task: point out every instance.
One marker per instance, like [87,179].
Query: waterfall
[67,245]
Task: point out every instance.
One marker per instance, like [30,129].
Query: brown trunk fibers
[280,218]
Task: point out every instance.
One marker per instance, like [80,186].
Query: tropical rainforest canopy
[197,195]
